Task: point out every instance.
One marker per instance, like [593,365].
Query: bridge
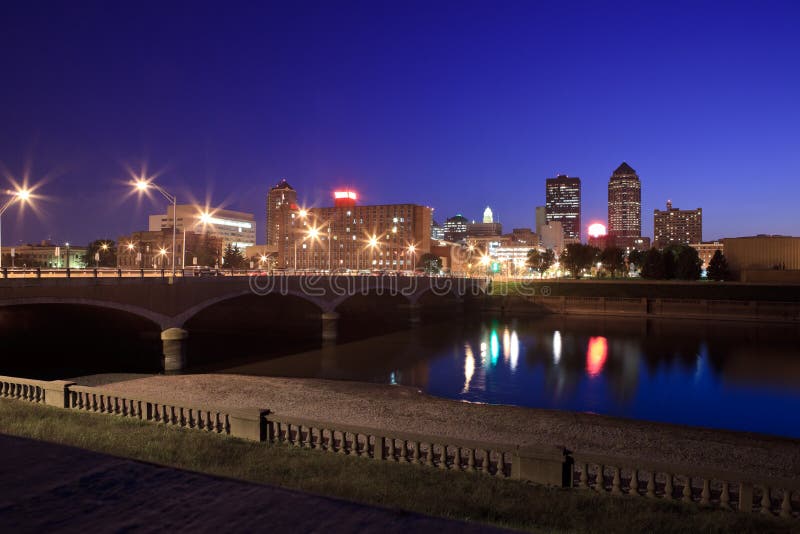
[171,302]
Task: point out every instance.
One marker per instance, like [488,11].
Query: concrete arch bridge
[171,302]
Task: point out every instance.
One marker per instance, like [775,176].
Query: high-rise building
[563,204]
[281,201]
[487,215]
[541,218]
[349,236]
[624,207]
[552,237]
[455,228]
[437,231]
[677,226]
[233,228]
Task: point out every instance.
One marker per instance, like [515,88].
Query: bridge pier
[174,342]
[414,315]
[329,327]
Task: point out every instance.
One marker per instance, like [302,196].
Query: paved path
[47,487]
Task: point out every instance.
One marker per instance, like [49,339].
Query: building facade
[551,237]
[624,207]
[455,229]
[44,255]
[437,231]
[353,237]
[762,252]
[281,203]
[541,218]
[153,250]
[484,229]
[233,228]
[677,226]
[706,250]
[563,204]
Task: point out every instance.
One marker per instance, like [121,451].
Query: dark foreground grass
[637,288]
[428,491]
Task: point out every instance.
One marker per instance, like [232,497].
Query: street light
[21,195]
[412,249]
[142,186]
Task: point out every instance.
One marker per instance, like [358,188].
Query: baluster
[599,481]
[615,482]
[390,453]
[634,486]
[705,495]
[429,456]
[766,502]
[651,484]
[669,489]
[471,461]
[725,496]
[786,504]
[501,464]
[457,459]
[584,479]
[443,457]
[343,448]
[415,453]
[687,490]
[402,456]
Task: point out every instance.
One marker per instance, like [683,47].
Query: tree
[540,261]
[431,263]
[688,265]
[718,268]
[669,259]
[233,257]
[102,253]
[205,249]
[636,258]
[613,260]
[653,265]
[577,257]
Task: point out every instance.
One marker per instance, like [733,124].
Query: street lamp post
[144,185]
[22,195]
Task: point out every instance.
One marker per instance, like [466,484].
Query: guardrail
[104,272]
[552,466]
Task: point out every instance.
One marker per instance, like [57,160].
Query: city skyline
[432,123]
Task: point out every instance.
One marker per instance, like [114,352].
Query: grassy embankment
[444,494]
[634,288]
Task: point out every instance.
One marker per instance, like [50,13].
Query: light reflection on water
[724,375]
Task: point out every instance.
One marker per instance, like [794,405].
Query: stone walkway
[48,487]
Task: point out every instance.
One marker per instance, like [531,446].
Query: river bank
[407,409]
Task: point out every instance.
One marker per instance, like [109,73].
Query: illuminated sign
[345,194]
[597,230]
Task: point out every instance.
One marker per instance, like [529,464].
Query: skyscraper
[488,217]
[563,204]
[541,218]
[455,228]
[677,226]
[624,207]
[280,200]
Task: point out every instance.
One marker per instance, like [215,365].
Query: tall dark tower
[624,206]
[563,204]
[281,199]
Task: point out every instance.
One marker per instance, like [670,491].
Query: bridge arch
[158,319]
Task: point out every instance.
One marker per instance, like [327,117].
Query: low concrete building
[764,258]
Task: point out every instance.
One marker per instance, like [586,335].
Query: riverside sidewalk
[49,487]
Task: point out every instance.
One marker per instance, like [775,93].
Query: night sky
[452,105]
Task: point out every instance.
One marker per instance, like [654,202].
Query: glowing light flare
[506,345]
[514,351]
[131,246]
[162,252]
[494,347]
[485,260]
[597,230]
[352,195]
[303,213]
[412,249]
[23,194]
[596,355]
[469,367]
[313,232]
[556,347]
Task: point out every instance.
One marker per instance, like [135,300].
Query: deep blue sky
[453,105]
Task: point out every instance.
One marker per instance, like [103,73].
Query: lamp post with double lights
[143,185]
[21,195]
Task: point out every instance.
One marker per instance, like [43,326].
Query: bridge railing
[553,466]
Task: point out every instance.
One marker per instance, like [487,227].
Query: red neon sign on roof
[345,194]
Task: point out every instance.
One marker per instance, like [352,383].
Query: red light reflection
[596,355]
